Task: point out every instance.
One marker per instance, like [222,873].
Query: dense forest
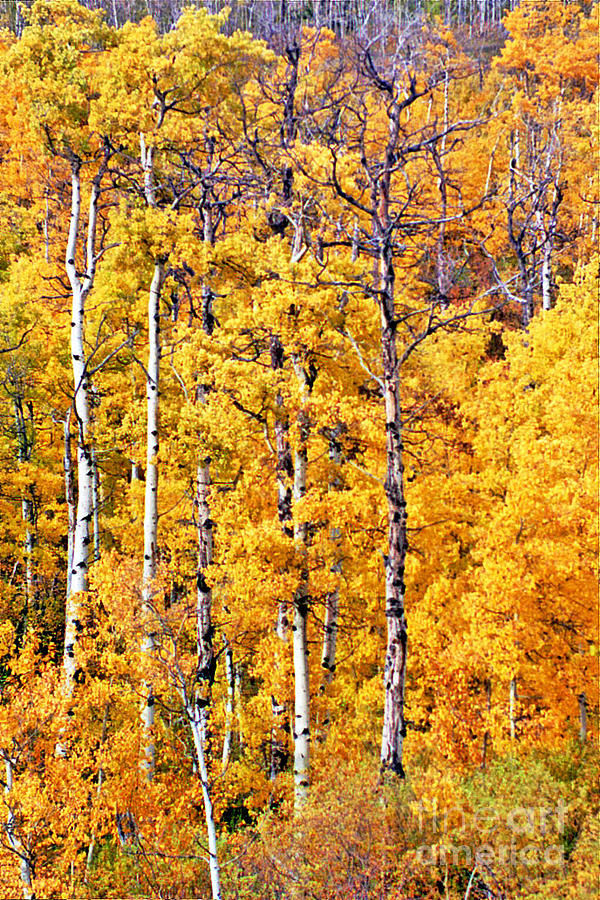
[299,449]
[270,19]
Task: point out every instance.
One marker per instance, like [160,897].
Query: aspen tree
[332,602]
[151,501]
[62,125]
[205,527]
[546,61]
[396,167]
[15,844]
[284,468]
[69,495]
[80,287]
[25,438]
[301,730]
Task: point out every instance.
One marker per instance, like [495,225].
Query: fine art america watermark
[522,836]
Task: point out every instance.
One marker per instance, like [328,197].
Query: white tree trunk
[238,705]
[13,838]
[332,601]
[549,238]
[69,496]
[151,507]
[204,637]
[96,503]
[205,558]
[301,700]
[47,229]
[582,718]
[27,510]
[194,717]
[299,628]
[80,288]
[229,710]
[394,727]
[284,468]
[512,705]
[332,605]
[147,160]
[547,278]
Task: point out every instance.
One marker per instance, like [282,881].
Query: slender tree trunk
[27,510]
[443,266]
[284,473]
[70,497]
[284,468]
[394,727]
[512,707]
[229,710]
[29,547]
[517,233]
[47,228]
[332,601]
[151,486]
[582,717]
[79,571]
[548,247]
[206,657]
[194,716]
[13,838]
[96,502]
[80,289]
[238,705]
[547,278]
[151,507]
[299,628]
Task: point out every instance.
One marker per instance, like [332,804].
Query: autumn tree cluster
[298,429]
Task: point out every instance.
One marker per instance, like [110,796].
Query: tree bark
[194,717]
[582,717]
[24,448]
[332,601]
[15,844]
[284,468]
[229,710]
[299,628]
[394,727]
[80,288]
[512,707]
[69,496]
[96,504]
[206,657]
[151,508]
